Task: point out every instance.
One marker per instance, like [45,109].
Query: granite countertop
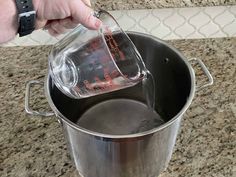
[35,147]
[152,4]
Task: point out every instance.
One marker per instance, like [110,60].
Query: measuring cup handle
[206,72]
[28,109]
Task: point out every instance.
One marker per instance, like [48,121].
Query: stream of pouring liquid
[149,90]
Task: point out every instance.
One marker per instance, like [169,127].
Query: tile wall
[169,23]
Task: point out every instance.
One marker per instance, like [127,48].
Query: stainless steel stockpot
[144,154]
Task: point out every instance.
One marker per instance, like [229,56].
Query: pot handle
[206,72]
[28,109]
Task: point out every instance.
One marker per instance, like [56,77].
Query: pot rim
[152,131]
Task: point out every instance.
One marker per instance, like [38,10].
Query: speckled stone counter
[35,146]
[152,4]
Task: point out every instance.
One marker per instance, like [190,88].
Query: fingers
[87,2]
[68,23]
[53,33]
[78,12]
[83,14]
[40,24]
[60,26]
[56,28]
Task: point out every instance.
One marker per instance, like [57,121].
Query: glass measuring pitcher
[91,62]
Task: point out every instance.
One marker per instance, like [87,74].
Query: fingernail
[98,23]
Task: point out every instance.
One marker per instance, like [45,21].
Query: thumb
[83,14]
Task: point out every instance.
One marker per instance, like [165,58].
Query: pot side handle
[206,72]
[28,109]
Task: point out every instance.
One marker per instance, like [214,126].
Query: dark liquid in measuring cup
[123,116]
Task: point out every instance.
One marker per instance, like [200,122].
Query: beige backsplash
[153,4]
[167,20]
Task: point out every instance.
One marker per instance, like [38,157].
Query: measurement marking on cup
[114,73]
[88,85]
[114,47]
[77,89]
[99,84]
[122,56]
[108,79]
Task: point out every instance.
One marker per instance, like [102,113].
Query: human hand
[59,15]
